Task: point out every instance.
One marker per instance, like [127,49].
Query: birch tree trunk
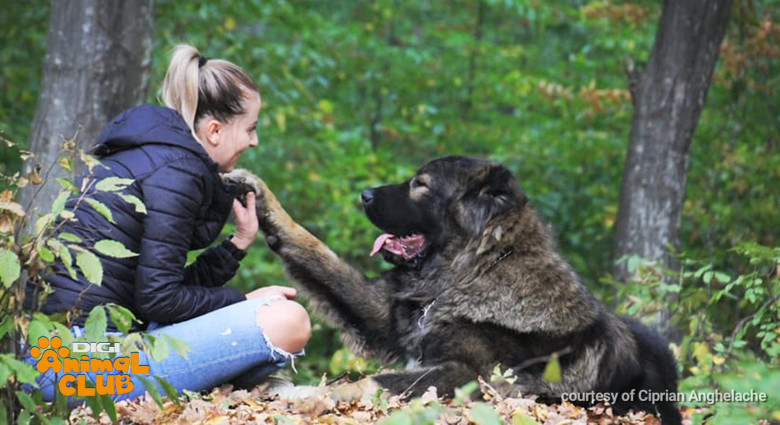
[668,98]
[98,60]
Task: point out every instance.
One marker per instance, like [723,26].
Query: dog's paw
[245,181]
[362,389]
[297,392]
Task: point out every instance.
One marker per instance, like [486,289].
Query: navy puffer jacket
[187,205]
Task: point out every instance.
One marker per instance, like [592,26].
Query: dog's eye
[415,183]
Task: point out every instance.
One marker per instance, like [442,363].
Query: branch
[744,321]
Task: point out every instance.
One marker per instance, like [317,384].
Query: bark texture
[668,99]
[98,59]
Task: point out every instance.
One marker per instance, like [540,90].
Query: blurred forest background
[358,94]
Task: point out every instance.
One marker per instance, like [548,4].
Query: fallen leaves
[259,406]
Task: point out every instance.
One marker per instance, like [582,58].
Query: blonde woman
[175,155]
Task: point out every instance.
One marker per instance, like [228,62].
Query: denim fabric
[225,345]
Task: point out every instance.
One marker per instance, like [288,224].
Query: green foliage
[417,413]
[9,267]
[113,249]
[552,371]
[26,258]
[749,375]
[22,50]
[481,414]
[731,326]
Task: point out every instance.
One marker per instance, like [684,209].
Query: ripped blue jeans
[226,345]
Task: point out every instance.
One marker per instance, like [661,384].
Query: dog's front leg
[446,377]
[338,291]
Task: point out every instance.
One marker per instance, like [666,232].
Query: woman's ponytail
[198,87]
[180,88]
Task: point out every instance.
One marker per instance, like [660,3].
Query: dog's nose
[368,196]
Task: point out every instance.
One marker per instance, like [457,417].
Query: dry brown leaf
[362,416]
[13,208]
[314,405]
[218,420]
[6,224]
[429,396]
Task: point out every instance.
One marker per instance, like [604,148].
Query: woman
[174,156]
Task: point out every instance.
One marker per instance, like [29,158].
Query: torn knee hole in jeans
[274,349]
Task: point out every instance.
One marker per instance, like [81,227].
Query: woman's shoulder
[153,129]
[153,158]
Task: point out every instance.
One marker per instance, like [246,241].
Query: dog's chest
[413,321]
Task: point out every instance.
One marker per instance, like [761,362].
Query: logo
[53,356]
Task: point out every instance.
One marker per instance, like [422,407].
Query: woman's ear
[211,131]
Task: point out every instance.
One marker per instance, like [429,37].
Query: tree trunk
[668,98]
[98,59]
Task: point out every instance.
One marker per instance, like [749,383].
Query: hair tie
[202,61]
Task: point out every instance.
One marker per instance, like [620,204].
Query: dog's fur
[487,287]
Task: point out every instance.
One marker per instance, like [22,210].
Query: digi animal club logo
[112,376]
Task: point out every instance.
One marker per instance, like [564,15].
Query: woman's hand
[270,291]
[246,222]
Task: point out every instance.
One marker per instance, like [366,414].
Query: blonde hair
[198,87]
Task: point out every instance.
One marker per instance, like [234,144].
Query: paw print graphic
[50,358]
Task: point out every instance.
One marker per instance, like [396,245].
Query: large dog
[477,282]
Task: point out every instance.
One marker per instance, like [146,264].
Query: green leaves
[522,419]
[482,414]
[101,208]
[122,317]
[90,266]
[10,268]
[101,403]
[36,330]
[139,205]
[59,203]
[96,324]
[133,343]
[169,389]
[113,249]
[10,366]
[159,348]
[178,345]
[552,372]
[113,184]
[152,389]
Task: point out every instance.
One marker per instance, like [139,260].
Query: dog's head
[449,200]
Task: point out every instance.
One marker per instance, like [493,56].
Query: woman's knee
[286,324]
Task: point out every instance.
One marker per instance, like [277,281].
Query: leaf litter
[224,405]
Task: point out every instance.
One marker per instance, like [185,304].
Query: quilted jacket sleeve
[213,267]
[173,195]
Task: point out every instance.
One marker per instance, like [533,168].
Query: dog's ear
[499,185]
[496,180]
[494,192]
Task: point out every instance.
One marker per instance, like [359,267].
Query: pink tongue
[379,243]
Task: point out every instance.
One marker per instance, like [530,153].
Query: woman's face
[234,136]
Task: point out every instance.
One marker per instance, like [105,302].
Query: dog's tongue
[406,247]
[379,243]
